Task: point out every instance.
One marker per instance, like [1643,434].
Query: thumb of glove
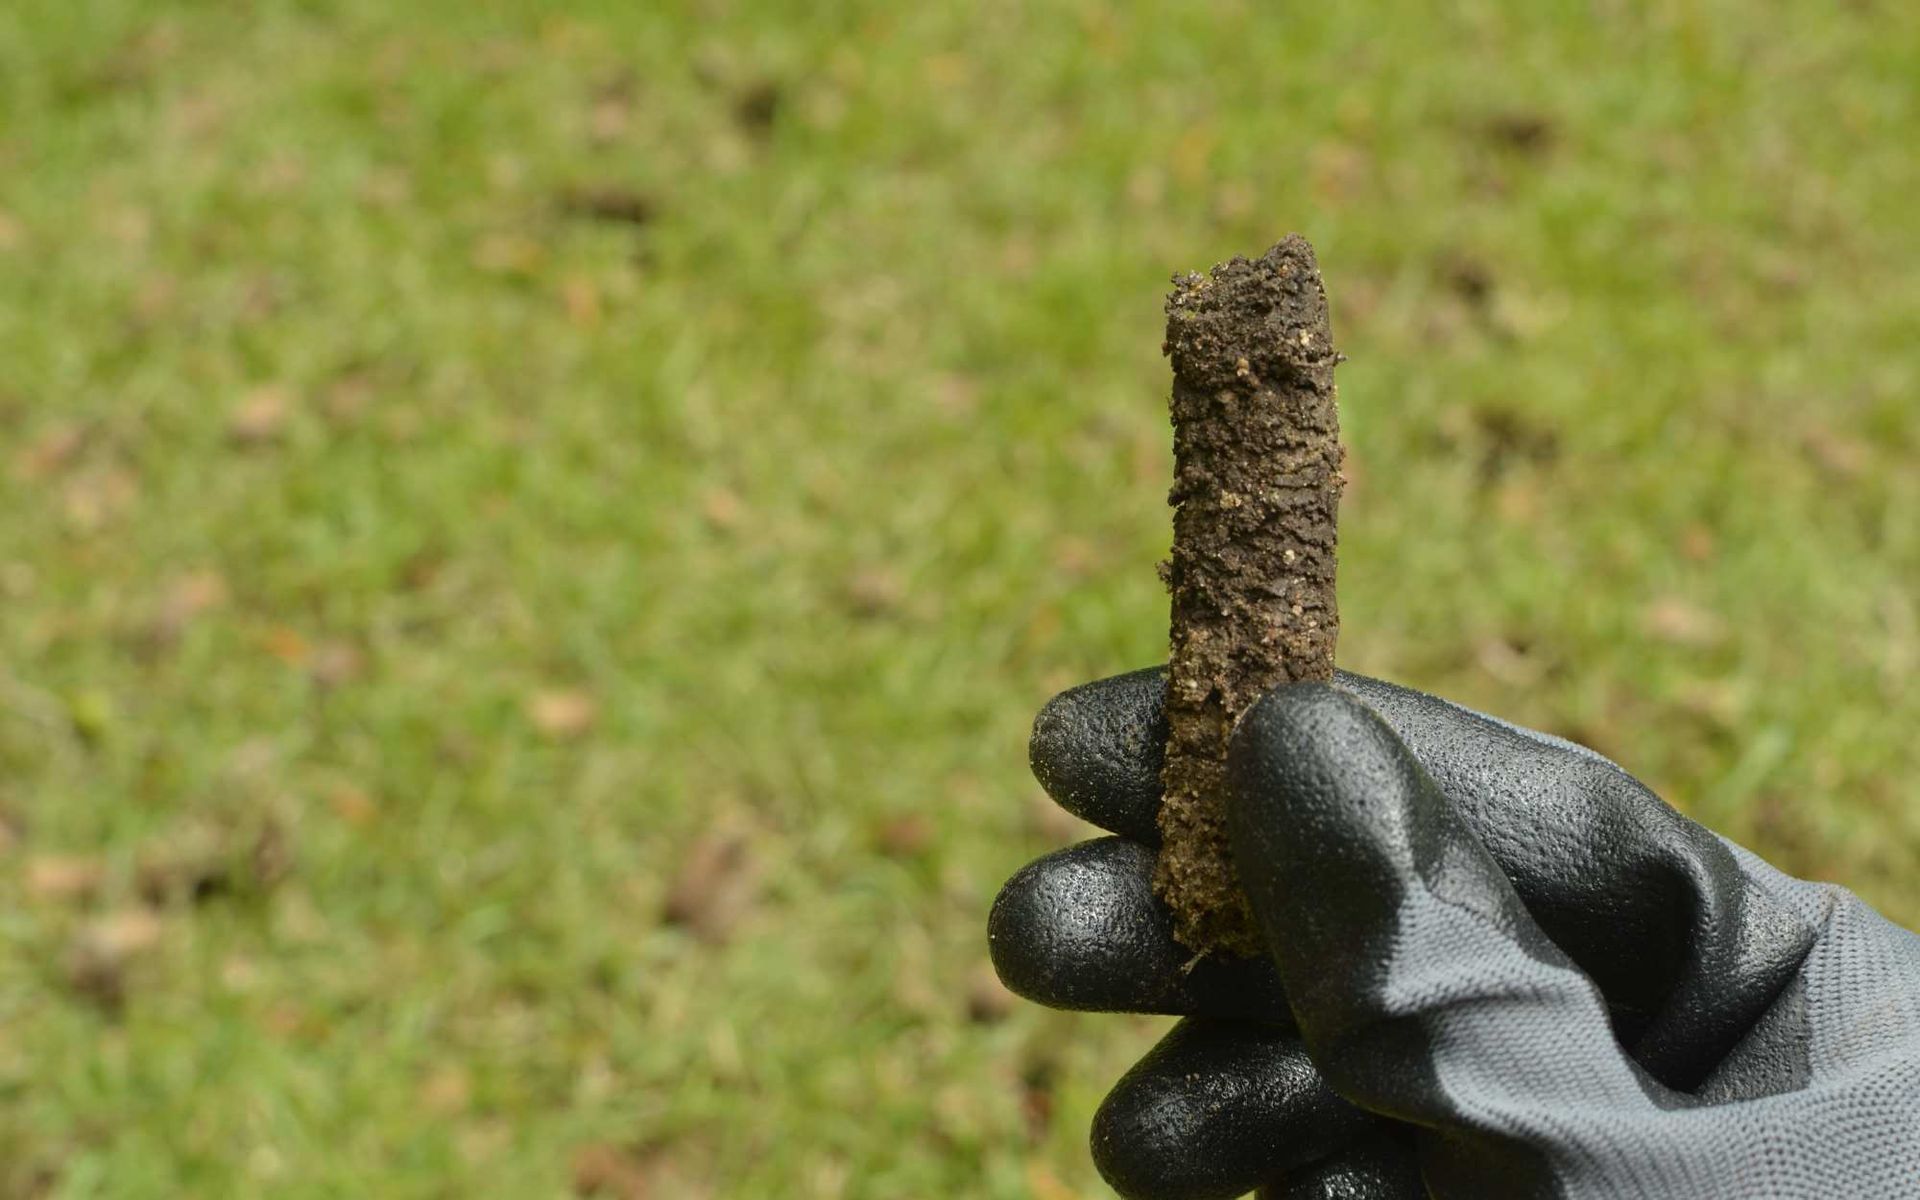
[1423,988]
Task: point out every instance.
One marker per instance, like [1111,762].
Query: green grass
[804,492]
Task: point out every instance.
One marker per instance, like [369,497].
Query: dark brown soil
[1256,496]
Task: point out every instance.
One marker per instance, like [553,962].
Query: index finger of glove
[1098,748]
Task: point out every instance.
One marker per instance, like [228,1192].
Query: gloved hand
[1500,967]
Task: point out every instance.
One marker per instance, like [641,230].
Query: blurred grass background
[530,536]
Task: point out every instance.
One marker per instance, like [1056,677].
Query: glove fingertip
[1216,1108]
[1098,748]
[1316,776]
[1066,931]
[1081,929]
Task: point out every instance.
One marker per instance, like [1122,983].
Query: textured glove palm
[1499,966]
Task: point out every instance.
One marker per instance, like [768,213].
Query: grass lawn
[461,464]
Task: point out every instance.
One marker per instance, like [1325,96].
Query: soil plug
[1256,497]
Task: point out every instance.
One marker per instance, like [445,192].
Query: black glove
[1514,971]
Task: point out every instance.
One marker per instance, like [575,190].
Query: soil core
[1256,497]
